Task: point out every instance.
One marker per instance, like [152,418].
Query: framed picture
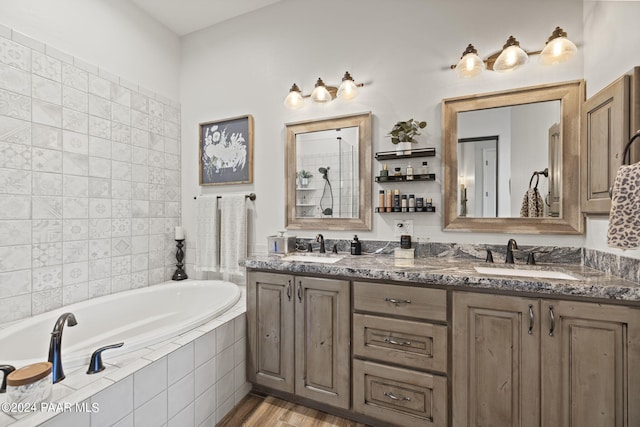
[226,151]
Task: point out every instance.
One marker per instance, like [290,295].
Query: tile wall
[89,180]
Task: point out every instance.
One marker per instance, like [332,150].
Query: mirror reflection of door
[478,181]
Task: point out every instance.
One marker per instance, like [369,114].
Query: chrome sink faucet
[55,345]
[320,239]
[511,245]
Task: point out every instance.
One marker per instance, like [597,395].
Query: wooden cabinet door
[270,330]
[496,364]
[590,365]
[323,355]
[605,131]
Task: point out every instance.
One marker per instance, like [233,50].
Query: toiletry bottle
[389,204]
[409,172]
[412,203]
[396,200]
[381,201]
[384,173]
[425,169]
[403,204]
[397,172]
[356,246]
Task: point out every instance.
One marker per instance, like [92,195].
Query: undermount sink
[312,258]
[540,274]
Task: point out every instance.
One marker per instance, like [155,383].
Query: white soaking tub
[139,318]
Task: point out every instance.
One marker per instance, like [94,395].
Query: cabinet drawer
[421,303]
[404,342]
[399,396]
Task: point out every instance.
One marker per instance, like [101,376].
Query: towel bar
[250,196]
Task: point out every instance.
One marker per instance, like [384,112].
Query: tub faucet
[55,345]
[511,245]
[6,370]
[320,239]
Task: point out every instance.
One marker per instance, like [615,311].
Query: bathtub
[139,318]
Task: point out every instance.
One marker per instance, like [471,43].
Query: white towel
[233,233]
[624,218]
[207,233]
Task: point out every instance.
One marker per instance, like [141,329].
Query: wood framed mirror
[498,146]
[328,174]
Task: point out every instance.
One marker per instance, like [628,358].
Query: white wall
[402,49]
[114,35]
[611,40]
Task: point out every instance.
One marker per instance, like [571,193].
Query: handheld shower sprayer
[324,172]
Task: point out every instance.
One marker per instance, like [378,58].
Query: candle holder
[179,274]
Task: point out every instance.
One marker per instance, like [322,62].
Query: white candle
[179,233]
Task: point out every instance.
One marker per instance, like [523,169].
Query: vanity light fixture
[558,49]
[322,93]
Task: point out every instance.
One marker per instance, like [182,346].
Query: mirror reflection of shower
[326,211]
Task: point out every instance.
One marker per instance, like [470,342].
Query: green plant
[304,174]
[405,131]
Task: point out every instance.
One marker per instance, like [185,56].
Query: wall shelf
[403,178]
[305,189]
[428,209]
[418,152]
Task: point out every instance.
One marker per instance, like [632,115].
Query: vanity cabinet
[537,362]
[400,354]
[299,336]
[609,118]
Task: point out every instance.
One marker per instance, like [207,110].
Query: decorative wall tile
[121,152]
[99,106]
[46,90]
[15,207]
[75,164]
[99,268]
[99,86]
[15,182]
[15,257]
[120,246]
[46,66]
[121,265]
[140,102]
[156,259]
[15,54]
[156,226]
[46,137]
[171,146]
[156,175]
[99,188]
[156,208]
[140,138]
[172,209]
[44,301]
[75,120]
[99,248]
[171,176]
[99,228]
[75,99]
[45,160]
[98,288]
[14,130]
[15,80]
[15,233]
[156,142]
[75,251]
[140,190]
[139,155]
[156,160]
[171,114]
[121,283]
[140,279]
[121,170]
[140,173]
[140,208]
[121,208]
[99,147]
[156,108]
[46,113]
[120,95]
[171,130]
[15,283]
[120,189]
[15,105]
[139,120]
[46,231]
[75,77]
[47,184]
[120,227]
[99,167]
[75,207]
[140,227]
[156,275]
[75,186]
[171,193]
[75,293]
[74,142]
[171,161]
[15,308]
[76,272]
[121,114]
[15,156]
[75,229]
[46,254]
[99,127]
[121,132]
[140,244]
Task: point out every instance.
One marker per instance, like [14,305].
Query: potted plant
[402,134]
[303,177]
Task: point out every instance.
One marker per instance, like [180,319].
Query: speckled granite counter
[460,274]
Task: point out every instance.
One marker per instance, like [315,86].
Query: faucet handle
[489,256]
[6,370]
[335,249]
[531,260]
[95,365]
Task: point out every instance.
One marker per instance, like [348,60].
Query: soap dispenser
[356,246]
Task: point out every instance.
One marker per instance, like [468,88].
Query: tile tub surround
[193,379]
[89,180]
[460,274]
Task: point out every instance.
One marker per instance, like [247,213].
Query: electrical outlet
[402,227]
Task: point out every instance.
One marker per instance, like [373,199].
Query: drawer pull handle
[553,321]
[531,319]
[394,342]
[398,301]
[394,397]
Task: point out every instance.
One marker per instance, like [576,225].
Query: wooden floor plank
[269,411]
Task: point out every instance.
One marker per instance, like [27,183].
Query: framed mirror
[328,174]
[510,160]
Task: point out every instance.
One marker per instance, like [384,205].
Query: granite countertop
[460,274]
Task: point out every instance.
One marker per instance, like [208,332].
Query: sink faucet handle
[489,256]
[531,260]
[95,365]
[6,370]
[335,248]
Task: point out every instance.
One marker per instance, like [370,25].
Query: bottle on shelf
[409,172]
[424,170]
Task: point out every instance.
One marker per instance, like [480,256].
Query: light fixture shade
[348,88]
[558,49]
[470,64]
[511,57]
[320,93]
[294,100]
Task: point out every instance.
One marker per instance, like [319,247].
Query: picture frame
[226,151]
